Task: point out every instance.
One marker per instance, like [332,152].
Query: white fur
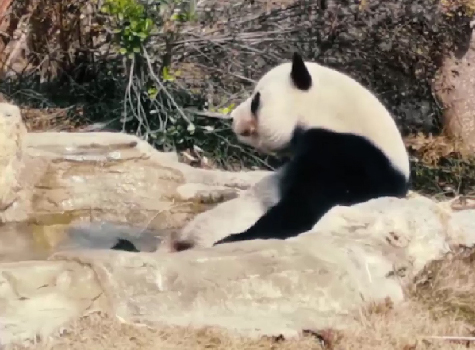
[234,215]
[335,102]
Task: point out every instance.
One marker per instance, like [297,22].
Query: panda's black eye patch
[256,101]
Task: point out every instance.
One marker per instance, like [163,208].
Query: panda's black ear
[299,74]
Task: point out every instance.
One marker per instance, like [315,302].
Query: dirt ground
[440,303]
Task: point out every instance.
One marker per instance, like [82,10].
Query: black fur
[125,244]
[327,169]
[299,74]
[256,101]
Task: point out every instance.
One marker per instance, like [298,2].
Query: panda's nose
[245,128]
[245,132]
[248,130]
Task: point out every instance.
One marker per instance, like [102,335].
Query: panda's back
[344,105]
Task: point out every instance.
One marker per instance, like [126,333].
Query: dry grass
[404,328]
[447,287]
[440,303]
[409,326]
[53,119]
[430,149]
[101,332]
[442,166]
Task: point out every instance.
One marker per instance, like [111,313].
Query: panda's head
[268,118]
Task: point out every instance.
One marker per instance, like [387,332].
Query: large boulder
[353,256]
[356,255]
[50,181]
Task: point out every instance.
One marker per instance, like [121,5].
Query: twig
[447,337]
[462,203]
[208,114]
[127,93]
[154,76]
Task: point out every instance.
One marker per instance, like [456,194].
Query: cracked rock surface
[65,196]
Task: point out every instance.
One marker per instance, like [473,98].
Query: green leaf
[227,110]
[191,128]
[152,93]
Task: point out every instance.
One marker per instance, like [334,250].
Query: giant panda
[344,144]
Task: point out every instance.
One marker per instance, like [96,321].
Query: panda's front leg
[284,220]
[267,227]
[235,237]
[294,214]
[257,231]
